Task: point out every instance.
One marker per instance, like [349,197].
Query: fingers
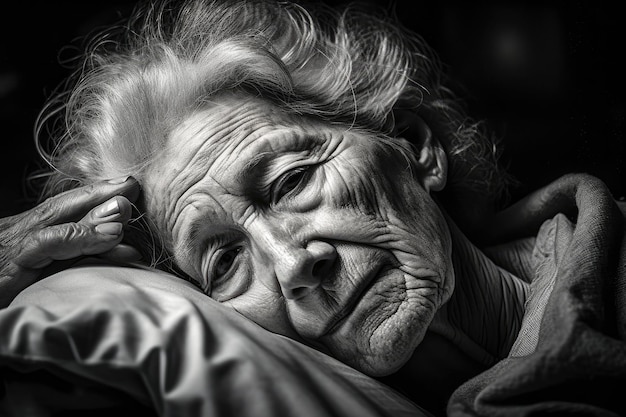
[117,209]
[107,218]
[99,231]
[71,205]
[86,221]
[67,241]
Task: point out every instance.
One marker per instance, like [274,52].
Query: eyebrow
[255,164]
[251,173]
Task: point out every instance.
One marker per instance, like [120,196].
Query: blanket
[570,357]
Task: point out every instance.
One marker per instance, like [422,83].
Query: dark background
[547,77]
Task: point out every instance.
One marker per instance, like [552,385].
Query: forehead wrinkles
[202,152]
[220,135]
[222,128]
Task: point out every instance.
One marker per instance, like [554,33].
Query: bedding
[570,355]
[103,338]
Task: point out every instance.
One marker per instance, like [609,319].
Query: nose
[300,271]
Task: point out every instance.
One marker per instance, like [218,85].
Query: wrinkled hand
[83,221]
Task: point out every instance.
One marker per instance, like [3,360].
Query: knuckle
[58,235]
[73,231]
[31,242]
[37,240]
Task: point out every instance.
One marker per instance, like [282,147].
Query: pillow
[104,336]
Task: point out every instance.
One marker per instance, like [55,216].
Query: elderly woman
[310,170]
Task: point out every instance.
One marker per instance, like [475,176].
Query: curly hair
[136,81]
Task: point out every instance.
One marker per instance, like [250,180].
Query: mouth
[366,284]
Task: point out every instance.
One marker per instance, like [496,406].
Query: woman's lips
[371,278]
[343,290]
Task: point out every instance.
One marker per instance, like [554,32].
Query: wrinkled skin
[89,220]
[314,231]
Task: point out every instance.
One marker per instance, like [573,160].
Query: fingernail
[109,228]
[108,209]
[119,180]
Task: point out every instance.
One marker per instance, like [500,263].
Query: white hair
[136,82]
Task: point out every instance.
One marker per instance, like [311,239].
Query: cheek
[386,326]
[420,241]
[358,188]
[373,178]
[265,307]
[390,321]
[390,204]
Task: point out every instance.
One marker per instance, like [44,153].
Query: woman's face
[314,231]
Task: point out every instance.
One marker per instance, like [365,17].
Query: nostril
[321,268]
[301,271]
[317,274]
[299,292]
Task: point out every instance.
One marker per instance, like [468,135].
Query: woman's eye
[288,182]
[225,262]
[226,272]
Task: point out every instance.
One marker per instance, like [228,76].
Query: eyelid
[276,185]
[205,282]
[232,283]
[212,247]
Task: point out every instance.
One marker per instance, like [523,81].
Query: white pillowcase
[155,338]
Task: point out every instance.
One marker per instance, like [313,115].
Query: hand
[83,221]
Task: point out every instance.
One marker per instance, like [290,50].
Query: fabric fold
[577,365]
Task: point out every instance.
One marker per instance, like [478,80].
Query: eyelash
[282,187]
[213,278]
[227,252]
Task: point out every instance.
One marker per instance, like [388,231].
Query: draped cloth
[570,357]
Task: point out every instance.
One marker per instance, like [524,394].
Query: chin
[383,357]
[381,334]
[384,365]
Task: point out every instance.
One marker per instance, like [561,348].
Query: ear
[432,162]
